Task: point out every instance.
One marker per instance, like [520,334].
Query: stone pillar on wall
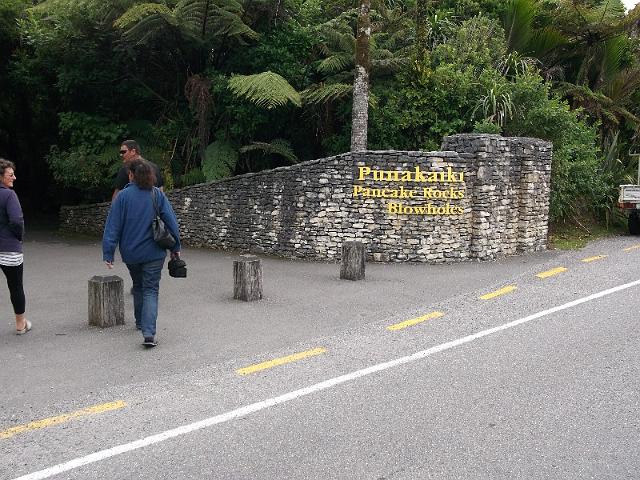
[510,192]
[535,158]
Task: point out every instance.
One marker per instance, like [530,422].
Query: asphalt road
[540,381]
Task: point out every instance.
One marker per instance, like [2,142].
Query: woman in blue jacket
[129,226]
[11,231]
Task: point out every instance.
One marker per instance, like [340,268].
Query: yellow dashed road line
[280,361]
[593,259]
[497,293]
[48,422]
[415,321]
[634,247]
[551,273]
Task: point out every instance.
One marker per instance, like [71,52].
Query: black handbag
[177,268]
[161,234]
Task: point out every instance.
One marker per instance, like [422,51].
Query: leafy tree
[440,97]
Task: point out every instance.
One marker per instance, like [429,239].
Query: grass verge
[576,235]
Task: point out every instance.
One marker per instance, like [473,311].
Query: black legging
[16,291]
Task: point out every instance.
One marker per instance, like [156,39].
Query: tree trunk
[422,11]
[360,111]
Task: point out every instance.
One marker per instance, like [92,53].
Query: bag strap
[155,201]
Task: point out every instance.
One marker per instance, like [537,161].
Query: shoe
[150,342]
[27,328]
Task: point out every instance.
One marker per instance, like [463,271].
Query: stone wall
[497,203]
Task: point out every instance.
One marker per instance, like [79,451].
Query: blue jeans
[146,284]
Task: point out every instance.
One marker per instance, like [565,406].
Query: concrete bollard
[247,279]
[106,301]
[353,261]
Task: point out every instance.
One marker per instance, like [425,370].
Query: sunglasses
[122,152]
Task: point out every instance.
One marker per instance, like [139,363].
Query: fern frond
[148,27]
[389,65]
[220,160]
[267,90]
[326,93]
[139,12]
[237,30]
[277,146]
[336,63]
[229,24]
[341,41]
[206,19]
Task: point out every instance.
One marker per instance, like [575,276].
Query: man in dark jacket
[129,151]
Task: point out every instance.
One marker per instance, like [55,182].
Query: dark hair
[4,164]
[143,174]
[132,145]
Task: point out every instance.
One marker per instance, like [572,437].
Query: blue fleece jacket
[129,225]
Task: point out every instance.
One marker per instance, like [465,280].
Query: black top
[122,177]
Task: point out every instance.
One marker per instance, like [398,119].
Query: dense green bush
[578,182]
[91,160]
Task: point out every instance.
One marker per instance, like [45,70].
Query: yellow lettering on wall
[443,195]
[364,172]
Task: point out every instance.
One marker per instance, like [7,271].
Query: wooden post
[353,259]
[106,301]
[247,279]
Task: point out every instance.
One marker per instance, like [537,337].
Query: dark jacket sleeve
[14,213]
[122,178]
[159,177]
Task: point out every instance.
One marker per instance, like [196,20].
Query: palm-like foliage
[587,44]
[526,39]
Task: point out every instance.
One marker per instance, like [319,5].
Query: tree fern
[199,20]
[267,90]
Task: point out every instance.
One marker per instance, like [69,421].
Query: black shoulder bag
[161,234]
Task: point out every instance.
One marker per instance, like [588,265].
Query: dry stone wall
[482,197]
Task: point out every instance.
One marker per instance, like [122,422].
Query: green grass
[574,236]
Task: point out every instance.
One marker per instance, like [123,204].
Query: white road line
[255,407]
